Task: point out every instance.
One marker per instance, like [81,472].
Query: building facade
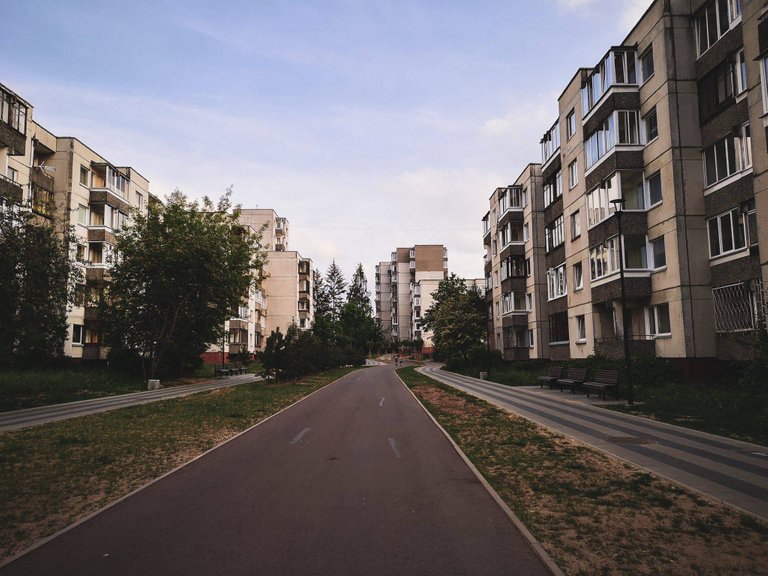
[404,286]
[63,181]
[664,135]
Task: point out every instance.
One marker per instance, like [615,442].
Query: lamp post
[618,205]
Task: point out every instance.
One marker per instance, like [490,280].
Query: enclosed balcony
[13,122]
[10,190]
[617,72]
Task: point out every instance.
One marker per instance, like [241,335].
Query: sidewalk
[44,414]
[728,470]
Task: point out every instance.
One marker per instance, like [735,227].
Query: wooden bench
[604,379]
[573,380]
[553,373]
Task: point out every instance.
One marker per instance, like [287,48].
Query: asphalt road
[355,479]
[27,417]
[728,470]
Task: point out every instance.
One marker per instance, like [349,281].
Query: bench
[604,379]
[574,379]
[553,373]
[221,371]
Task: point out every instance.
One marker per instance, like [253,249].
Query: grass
[730,409]
[53,475]
[30,388]
[592,513]
[510,374]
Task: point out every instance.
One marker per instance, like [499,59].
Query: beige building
[61,179]
[668,124]
[402,284]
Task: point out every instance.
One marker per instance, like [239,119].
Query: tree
[358,290]
[336,288]
[456,318]
[37,284]
[321,300]
[180,271]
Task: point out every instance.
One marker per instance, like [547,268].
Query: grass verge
[594,514]
[55,474]
[30,388]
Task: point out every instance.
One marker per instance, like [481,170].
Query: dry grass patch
[592,513]
[56,474]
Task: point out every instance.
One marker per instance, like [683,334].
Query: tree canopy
[180,272]
[456,318]
[37,284]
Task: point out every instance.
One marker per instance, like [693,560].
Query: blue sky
[368,124]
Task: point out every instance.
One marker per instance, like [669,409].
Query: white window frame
[578,276]
[734,216]
[570,124]
[573,174]
[647,136]
[652,253]
[581,329]
[649,201]
[557,283]
[575,225]
[652,315]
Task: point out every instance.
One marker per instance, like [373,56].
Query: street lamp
[618,205]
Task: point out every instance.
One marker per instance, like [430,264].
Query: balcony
[101,234]
[95,352]
[13,130]
[616,72]
[632,223]
[110,198]
[10,189]
[638,287]
[236,324]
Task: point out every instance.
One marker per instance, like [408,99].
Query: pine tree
[336,288]
[321,299]
[358,290]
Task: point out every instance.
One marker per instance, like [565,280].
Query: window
[646,64]
[741,72]
[558,328]
[530,338]
[728,156]
[713,21]
[557,285]
[575,225]
[716,90]
[13,112]
[635,252]
[604,258]
[514,301]
[618,67]
[578,276]
[529,302]
[526,234]
[749,209]
[13,174]
[581,329]
[81,253]
[555,234]
[764,82]
[570,124]
[651,125]
[659,253]
[527,267]
[140,201]
[653,184]
[518,197]
[632,190]
[85,176]
[657,320]
[573,174]
[726,233]
[77,334]
[621,127]
[599,205]
[550,143]
[739,307]
[82,215]
[553,188]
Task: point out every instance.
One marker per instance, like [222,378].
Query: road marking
[381,402]
[393,445]
[300,435]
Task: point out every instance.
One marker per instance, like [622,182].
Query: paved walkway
[728,470]
[43,414]
[354,479]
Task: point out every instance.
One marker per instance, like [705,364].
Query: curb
[529,538]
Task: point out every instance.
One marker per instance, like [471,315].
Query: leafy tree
[336,288]
[180,271]
[37,280]
[456,318]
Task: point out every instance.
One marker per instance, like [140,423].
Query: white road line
[393,445]
[300,435]
[381,402]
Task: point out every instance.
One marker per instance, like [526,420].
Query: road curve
[355,479]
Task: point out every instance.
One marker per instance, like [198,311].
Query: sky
[368,124]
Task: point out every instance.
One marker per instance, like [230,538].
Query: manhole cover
[628,440]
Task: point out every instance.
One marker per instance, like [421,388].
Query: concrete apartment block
[402,284]
[62,180]
[671,122]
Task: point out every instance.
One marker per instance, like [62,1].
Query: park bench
[573,380]
[221,371]
[553,373]
[604,379]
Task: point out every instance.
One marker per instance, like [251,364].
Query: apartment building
[514,264]
[402,284]
[664,137]
[286,295]
[63,181]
